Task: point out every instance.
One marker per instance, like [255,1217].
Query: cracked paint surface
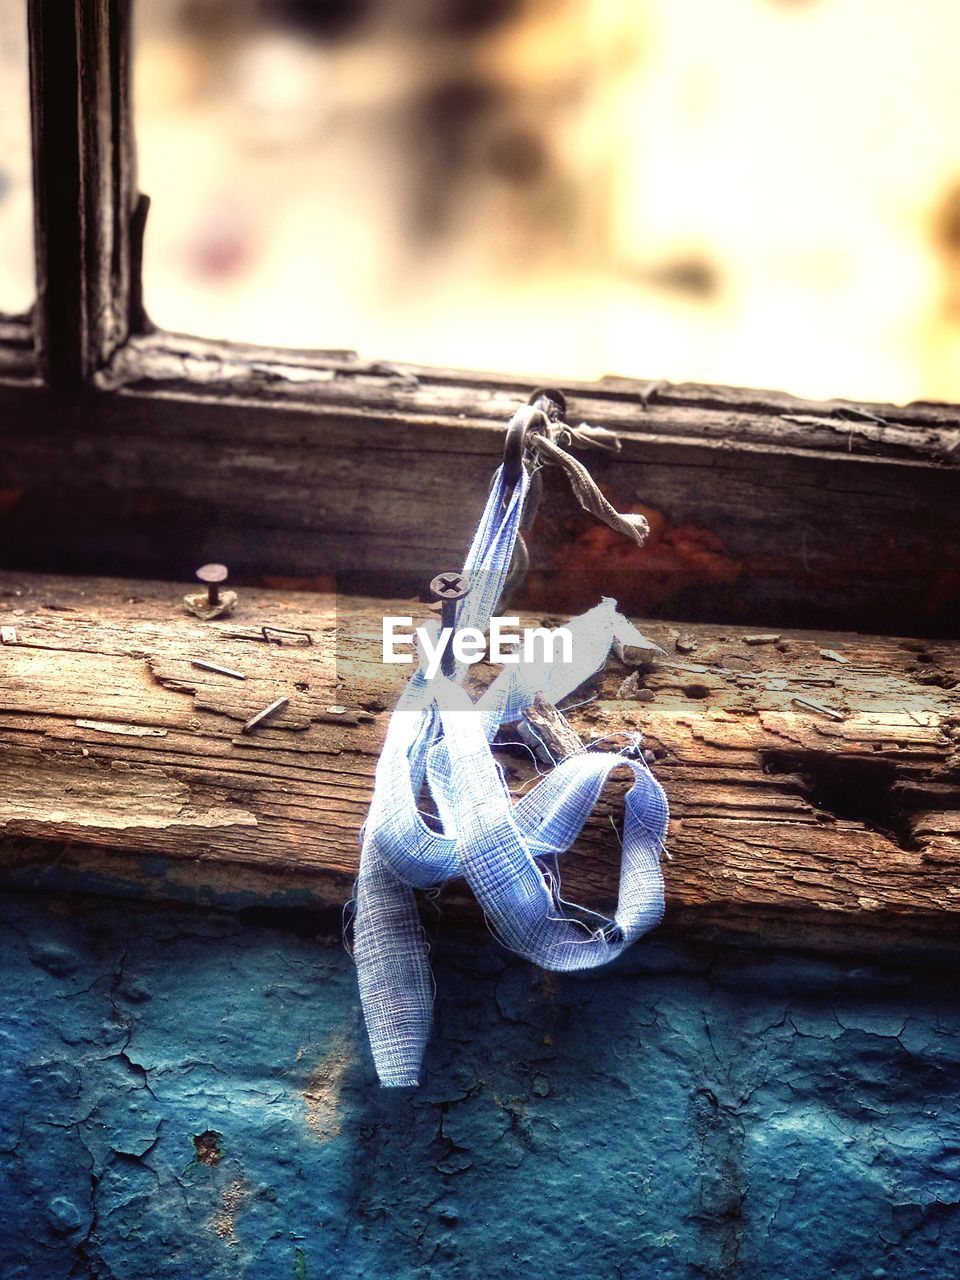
[185,1094]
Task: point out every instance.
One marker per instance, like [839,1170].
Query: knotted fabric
[439,739]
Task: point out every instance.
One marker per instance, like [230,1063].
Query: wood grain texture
[83,183]
[119,758]
[764,510]
[177,363]
[147,452]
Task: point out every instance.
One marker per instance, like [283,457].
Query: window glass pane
[17,287]
[763,192]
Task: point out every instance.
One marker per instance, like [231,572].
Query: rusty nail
[212,575]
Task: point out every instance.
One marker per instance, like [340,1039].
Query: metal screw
[212,575]
[448,588]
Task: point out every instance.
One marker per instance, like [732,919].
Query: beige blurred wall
[758,192]
[17,273]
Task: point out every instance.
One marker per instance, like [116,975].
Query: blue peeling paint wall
[188,1094]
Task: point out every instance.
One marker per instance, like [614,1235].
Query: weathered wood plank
[120,759]
[302,471]
[83,183]
[177,364]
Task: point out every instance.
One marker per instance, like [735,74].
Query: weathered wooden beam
[83,183]
[812,797]
[762,508]
[177,364]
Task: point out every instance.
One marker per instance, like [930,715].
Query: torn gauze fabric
[439,739]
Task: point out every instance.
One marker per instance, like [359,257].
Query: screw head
[212,573]
[450,586]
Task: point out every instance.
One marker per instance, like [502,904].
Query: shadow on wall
[184,1093]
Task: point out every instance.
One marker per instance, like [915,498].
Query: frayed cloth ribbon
[439,739]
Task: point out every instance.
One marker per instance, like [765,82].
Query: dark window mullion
[83,177]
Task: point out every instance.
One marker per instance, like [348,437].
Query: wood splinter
[548,732]
[833,656]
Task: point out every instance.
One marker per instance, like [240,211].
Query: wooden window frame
[130,451]
[135,451]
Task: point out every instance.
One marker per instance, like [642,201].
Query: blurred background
[17,287]
[755,192]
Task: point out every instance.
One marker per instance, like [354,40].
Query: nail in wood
[262,715]
[212,575]
[818,706]
[212,666]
